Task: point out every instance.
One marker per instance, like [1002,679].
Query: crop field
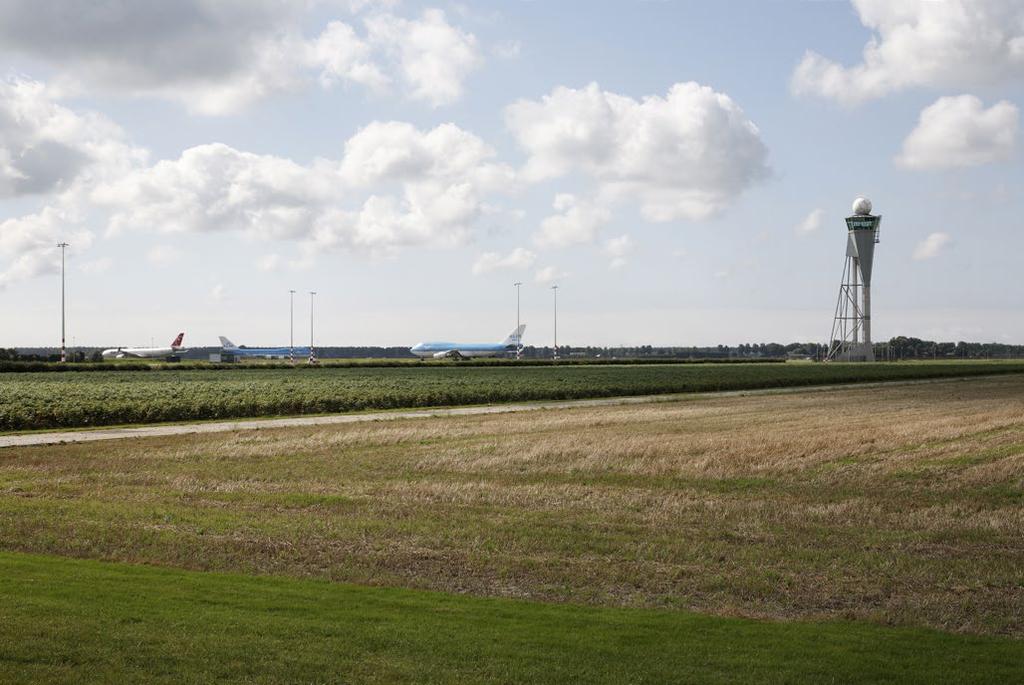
[61,400]
[857,534]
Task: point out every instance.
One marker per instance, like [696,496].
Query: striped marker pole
[312,350]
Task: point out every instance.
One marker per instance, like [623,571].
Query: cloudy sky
[680,169]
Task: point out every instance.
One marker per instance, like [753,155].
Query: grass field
[819,537]
[912,513]
[60,400]
[72,622]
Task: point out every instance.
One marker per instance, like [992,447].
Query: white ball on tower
[862,206]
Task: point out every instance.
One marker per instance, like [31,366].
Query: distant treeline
[897,348]
[266,365]
[745,351]
[914,348]
[95,354]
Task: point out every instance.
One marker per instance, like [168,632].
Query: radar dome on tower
[862,206]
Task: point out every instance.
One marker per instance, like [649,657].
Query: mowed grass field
[71,621]
[820,536]
[30,401]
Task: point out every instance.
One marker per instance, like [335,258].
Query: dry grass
[899,504]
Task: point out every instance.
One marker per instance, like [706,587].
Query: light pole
[554,290]
[312,353]
[519,335]
[291,326]
[63,349]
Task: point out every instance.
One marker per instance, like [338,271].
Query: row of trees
[12,355]
[744,351]
[898,348]
[903,347]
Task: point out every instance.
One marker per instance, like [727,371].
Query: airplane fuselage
[268,352]
[140,352]
[446,349]
[146,352]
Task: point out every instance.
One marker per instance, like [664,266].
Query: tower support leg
[866,314]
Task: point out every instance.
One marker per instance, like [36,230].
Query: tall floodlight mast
[312,352]
[554,291]
[519,336]
[851,329]
[63,348]
[291,326]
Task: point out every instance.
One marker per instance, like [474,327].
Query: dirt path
[90,435]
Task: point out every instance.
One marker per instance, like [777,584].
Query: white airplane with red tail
[146,352]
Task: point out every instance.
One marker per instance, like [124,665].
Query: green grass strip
[79,621]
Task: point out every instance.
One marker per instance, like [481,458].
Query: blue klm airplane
[229,347]
[439,350]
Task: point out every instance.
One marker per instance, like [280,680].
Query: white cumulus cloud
[811,223]
[46,148]
[434,57]
[923,43]
[618,249]
[58,154]
[29,243]
[345,57]
[549,275]
[686,155]
[932,246]
[217,188]
[576,222]
[395,185]
[960,132]
[398,151]
[443,176]
[519,258]
[218,56]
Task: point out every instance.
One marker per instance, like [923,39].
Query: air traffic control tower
[851,329]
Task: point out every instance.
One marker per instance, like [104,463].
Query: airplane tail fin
[225,343]
[515,337]
[177,341]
